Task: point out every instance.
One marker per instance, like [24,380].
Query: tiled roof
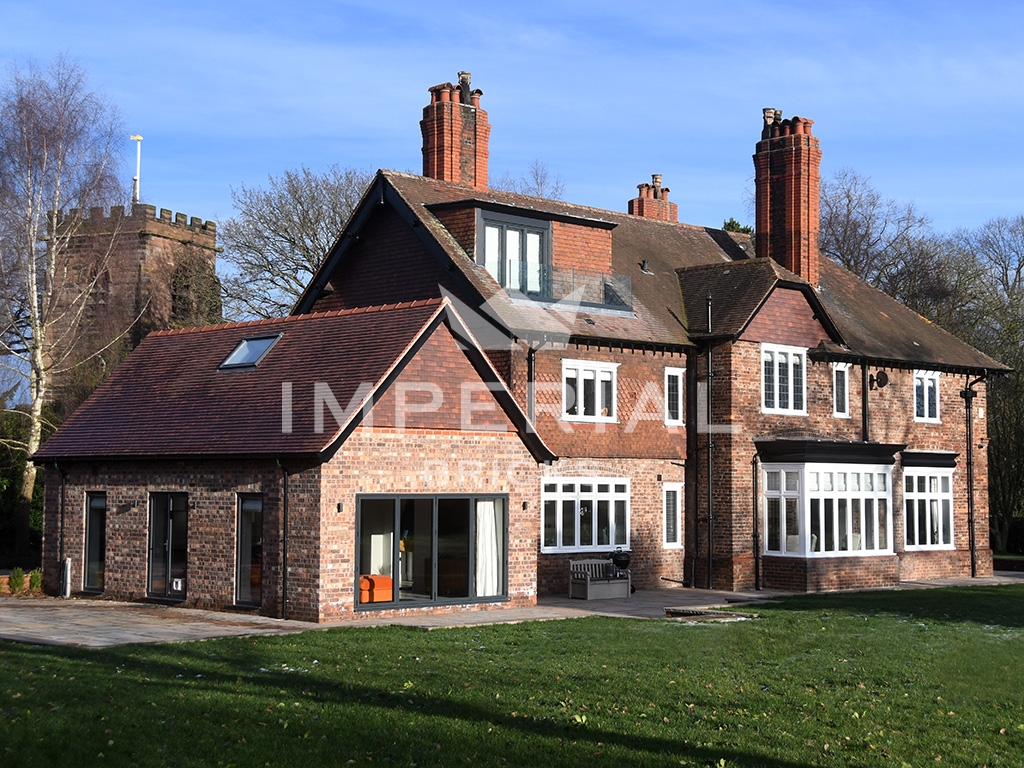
[655,297]
[876,326]
[171,399]
[669,306]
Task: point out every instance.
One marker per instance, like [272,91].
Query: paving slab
[102,623]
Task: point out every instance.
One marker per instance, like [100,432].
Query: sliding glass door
[431,548]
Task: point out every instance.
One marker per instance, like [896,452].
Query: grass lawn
[888,678]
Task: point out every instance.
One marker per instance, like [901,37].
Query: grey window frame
[505,222]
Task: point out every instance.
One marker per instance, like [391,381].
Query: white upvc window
[926,396]
[783,379]
[928,503]
[589,390]
[581,514]
[827,510]
[675,406]
[841,390]
[672,525]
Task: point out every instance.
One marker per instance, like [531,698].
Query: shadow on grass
[999,605]
[190,692]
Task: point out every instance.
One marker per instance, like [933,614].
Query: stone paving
[101,623]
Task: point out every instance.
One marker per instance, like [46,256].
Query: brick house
[838,442]
[832,441]
[309,457]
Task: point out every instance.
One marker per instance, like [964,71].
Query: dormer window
[250,351]
[515,251]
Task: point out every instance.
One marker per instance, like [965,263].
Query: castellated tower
[151,271]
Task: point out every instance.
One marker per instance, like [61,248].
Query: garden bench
[597,579]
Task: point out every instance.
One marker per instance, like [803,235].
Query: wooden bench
[597,579]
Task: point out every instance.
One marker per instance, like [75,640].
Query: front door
[168,545]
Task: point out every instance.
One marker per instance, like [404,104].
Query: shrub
[16,581]
[35,579]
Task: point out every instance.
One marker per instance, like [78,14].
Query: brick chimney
[455,134]
[652,202]
[787,181]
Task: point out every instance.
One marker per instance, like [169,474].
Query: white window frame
[672,514]
[926,397]
[928,500]
[582,496]
[599,373]
[795,394]
[841,395]
[679,401]
[841,510]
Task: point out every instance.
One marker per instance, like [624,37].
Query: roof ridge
[270,321]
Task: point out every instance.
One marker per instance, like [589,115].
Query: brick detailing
[426,462]
[787,183]
[652,202]
[786,318]
[456,134]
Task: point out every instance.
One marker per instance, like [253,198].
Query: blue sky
[924,98]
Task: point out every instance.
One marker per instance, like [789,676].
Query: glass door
[168,545]
[95,541]
[248,583]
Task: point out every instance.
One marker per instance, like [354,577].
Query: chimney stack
[652,202]
[787,181]
[456,134]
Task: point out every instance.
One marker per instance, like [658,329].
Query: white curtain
[488,554]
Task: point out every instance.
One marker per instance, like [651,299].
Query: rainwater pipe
[968,394]
[284,541]
[711,446]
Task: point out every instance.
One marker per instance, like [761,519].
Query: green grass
[890,678]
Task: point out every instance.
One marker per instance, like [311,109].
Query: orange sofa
[375,589]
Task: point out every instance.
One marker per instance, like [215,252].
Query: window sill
[782,412]
[601,549]
[830,555]
[929,548]
[589,420]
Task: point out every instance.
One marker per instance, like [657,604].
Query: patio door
[168,545]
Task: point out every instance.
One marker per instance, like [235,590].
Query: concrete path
[101,623]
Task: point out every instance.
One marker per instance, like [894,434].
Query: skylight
[250,351]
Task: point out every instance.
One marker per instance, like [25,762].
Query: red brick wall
[786,318]
[737,398]
[640,431]
[461,225]
[587,249]
[388,264]
[431,390]
[212,489]
[651,561]
[427,462]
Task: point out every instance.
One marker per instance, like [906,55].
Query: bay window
[822,510]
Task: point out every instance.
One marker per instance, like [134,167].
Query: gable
[439,389]
[386,264]
[786,317]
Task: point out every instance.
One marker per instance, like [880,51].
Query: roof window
[250,351]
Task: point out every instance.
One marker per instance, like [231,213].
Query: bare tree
[999,247]
[281,233]
[866,233]
[537,182]
[58,158]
